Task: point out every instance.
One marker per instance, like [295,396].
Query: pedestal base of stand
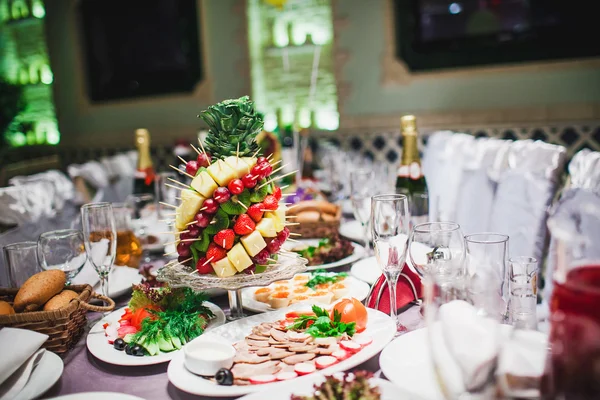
[236,311]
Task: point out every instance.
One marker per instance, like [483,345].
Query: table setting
[223,282]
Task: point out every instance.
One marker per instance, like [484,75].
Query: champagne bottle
[410,176]
[144,175]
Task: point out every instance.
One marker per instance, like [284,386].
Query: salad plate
[380,330]
[356,255]
[283,392]
[357,289]
[98,345]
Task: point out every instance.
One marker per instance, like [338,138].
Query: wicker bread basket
[64,326]
[315,219]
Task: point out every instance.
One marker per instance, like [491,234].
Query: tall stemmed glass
[390,221]
[100,238]
[362,187]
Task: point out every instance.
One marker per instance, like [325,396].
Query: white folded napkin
[17,346]
[15,383]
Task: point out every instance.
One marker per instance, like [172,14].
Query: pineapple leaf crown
[232,122]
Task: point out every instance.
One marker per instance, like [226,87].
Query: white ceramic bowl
[205,357]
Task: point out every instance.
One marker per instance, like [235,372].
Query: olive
[119,344]
[128,349]
[224,377]
[137,350]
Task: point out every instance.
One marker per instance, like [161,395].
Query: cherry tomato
[249,180]
[352,310]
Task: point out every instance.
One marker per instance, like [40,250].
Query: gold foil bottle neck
[408,124]
[142,137]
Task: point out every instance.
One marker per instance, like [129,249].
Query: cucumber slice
[164,344]
[128,337]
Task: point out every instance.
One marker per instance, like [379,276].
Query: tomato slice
[141,314]
[296,314]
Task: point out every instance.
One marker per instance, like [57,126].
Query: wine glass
[362,188]
[62,249]
[437,248]
[100,238]
[390,221]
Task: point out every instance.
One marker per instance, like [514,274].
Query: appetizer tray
[380,329]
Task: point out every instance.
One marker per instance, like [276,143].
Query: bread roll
[6,309]
[60,300]
[38,289]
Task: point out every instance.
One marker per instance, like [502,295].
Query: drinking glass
[129,247]
[21,262]
[486,262]
[437,248]
[522,285]
[464,336]
[100,238]
[362,188]
[63,249]
[390,228]
[164,193]
[143,213]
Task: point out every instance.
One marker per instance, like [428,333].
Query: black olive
[119,344]
[128,349]
[137,350]
[224,377]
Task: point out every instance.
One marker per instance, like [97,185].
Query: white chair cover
[525,191]
[27,202]
[94,174]
[122,173]
[584,170]
[484,161]
[64,190]
[443,166]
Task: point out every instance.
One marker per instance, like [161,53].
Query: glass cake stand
[178,275]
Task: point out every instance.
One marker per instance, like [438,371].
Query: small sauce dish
[206,357]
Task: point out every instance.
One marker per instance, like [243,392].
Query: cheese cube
[179,221]
[266,227]
[251,161]
[253,243]
[221,172]
[223,268]
[191,202]
[278,217]
[204,184]
[239,258]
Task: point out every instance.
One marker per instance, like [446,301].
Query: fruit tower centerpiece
[231,219]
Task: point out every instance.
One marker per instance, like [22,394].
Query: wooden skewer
[284,187]
[269,156]
[275,163]
[291,216]
[178,262]
[191,223]
[237,153]
[243,205]
[293,240]
[182,160]
[204,151]
[206,262]
[183,240]
[167,204]
[295,234]
[280,168]
[271,259]
[174,187]
[291,223]
[179,183]
[288,194]
[195,149]
[295,205]
[173,232]
[275,179]
[255,153]
[181,172]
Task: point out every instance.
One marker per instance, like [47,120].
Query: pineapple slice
[223,268]
[239,258]
[278,217]
[251,161]
[221,172]
[179,222]
[204,184]
[191,202]
[266,227]
[240,167]
[253,243]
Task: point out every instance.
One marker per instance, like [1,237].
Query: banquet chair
[90,180]
[63,188]
[583,185]
[120,174]
[525,189]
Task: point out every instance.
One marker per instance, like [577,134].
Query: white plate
[97,396]
[98,345]
[353,230]
[407,363]
[380,327]
[284,392]
[358,289]
[120,281]
[43,376]
[358,253]
[368,270]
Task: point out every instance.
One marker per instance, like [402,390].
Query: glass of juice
[572,368]
[129,247]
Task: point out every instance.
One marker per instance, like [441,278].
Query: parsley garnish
[319,277]
[321,325]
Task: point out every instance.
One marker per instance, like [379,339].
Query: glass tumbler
[522,284]
[21,262]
